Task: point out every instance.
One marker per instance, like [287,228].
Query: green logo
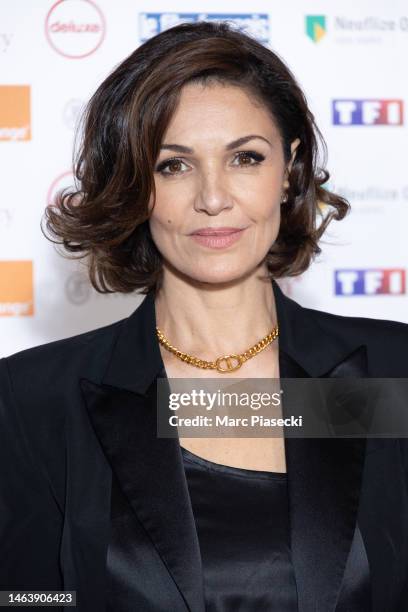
[315,27]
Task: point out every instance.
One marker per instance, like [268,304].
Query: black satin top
[242,521]
[242,525]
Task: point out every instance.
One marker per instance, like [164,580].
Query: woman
[199,186]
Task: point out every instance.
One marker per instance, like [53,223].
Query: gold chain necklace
[228,360]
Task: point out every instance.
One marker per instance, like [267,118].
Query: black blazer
[91,500]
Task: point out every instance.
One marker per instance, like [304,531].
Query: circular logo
[75,28]
[77,288]
[72,112]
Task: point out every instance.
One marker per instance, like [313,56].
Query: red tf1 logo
[370,282]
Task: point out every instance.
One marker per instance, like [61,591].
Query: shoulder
[337,324]
[386,340]
[359,325]
[41,407]
[40,395]
[75,347]
[43,372]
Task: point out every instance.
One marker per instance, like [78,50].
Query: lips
[220,231]
[220,238]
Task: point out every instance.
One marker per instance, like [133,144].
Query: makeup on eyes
[257,157]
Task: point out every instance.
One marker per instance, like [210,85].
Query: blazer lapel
[148,469]
[324,475]
[150,472]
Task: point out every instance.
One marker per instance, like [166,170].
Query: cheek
[266,210]
[160,213]
[162,223]
[265,196]
[171,208]
[163,214]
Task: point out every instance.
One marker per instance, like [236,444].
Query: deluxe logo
[15,114]
[368,112]
[16,288]
[255,24]
[370,282]
[315,27]
[75,28]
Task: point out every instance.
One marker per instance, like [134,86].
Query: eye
[245,156]
[172,167]
[173,164]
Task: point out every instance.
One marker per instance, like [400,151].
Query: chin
[215,276]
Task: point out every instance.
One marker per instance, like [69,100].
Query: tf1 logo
[370,282]
[368,112]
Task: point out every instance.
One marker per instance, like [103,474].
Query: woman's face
[221,166]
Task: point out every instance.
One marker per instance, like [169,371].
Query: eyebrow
[232,145]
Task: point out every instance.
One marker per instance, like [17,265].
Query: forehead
[205,110]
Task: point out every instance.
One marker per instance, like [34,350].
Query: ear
[151,202]
[293,148]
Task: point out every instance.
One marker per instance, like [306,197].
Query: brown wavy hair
[105,216]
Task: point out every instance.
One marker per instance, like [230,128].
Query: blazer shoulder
[334,323]
[356,324]
[41,407]
[386,340]
[49,370]
[47,352]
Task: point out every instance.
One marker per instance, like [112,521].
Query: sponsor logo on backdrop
[372,199]
[77,288]
[315,27]
[78,291]
[75,28]
[367,112]
[364,30]
[372,193]
[15,112]
[16,288]
[374,281]
[6,216]
[255,24]
[71,113]
[5,41]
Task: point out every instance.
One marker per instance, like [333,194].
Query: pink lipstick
[217,238]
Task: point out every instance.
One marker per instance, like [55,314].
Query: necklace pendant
[232,362]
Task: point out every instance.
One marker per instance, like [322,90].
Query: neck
[206,319]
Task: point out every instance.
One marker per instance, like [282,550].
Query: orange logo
[15,115]
[16,288]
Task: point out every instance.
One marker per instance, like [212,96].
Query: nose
[213,194]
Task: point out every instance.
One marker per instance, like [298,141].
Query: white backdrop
[349,57]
